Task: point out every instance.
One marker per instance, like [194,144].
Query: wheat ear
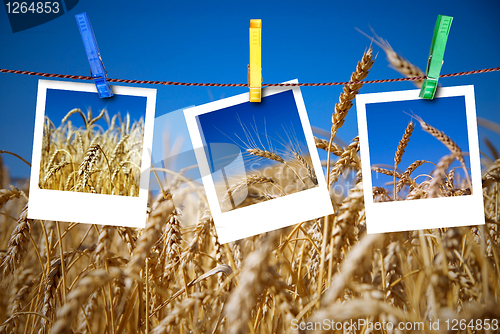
[8,194]
[265,154]
[380,191]
[310,171]
[323,144]
[18,244]
[83,289]
[405,178]
[401,150]
[403,143]
[172,246]
[250,180]
[448,142]
[396,61]
[338,117]
[254,279]
[149,237]
[74,111]
[351,263]
[439,174]
[387,172]
[273,156]
[53,170]
[350,91]
[86,166]
[101,251]
[349,155]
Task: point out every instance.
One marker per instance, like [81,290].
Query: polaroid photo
[420,160]
[258,161]
[91,156]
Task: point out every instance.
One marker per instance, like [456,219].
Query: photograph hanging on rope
[92,150]
[420,156]
[257,160]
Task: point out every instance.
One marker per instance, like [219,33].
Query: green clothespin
[436,56]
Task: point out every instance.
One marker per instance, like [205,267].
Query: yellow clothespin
[255,69]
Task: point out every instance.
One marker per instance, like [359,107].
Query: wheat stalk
[405,177]
[8,194]
[148,237]
[400,151]
[85,287]
[403,143]
[350,91]
[396,61]
[251,180]
[265,154]
[323,144]
[387,172]
[86,166]
[18,244]
[172,248]
[439,174]
[349,156]
[310,171]
[448,142]
[338,117]
[254,279]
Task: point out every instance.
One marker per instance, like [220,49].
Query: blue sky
[270,125]
[387,122]
[207,41]
[60,102]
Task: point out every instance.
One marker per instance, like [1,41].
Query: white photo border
[85,207]
[270,215]
[430,212]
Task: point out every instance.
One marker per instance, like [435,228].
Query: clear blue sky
[387,123]
[207,41]
[60,102]
[271,125]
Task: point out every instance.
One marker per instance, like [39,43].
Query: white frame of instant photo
[270,215]
[85,207]
[429,212]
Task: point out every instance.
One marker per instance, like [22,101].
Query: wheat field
[175,277]
[92,159]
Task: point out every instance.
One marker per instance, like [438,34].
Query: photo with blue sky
[258,139]
[386,125]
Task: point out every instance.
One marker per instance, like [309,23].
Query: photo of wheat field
[94,152]
[175,277]
[257,152]
[412,159]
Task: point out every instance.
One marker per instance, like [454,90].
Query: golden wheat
[175,277]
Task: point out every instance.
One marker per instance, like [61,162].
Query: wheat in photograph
[90,155]
[419,149]
[92,145]
[258,162]
[420,156]
[257,152]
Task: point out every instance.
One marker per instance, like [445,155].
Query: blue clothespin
[97,69]
[436,56]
